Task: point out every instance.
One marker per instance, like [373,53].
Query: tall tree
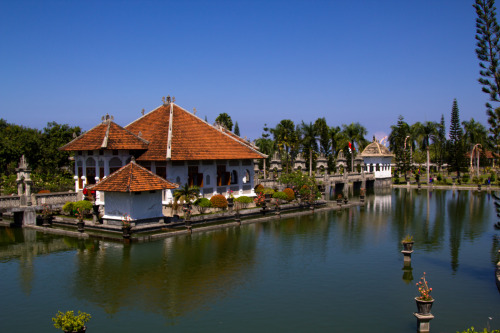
[457,151]
[355,134]
[308,137]
[236,129]
[224,119]
[322,131]
[286,139]
[265,145]
[474,132]
[397,139]
[488,53]
[440,142]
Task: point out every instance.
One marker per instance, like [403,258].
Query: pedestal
[423,322]
[407,255]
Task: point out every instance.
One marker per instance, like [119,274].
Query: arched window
[234,177]
[246,179]
[90,170]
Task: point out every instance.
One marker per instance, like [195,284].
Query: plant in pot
[79,219]
[407,243]
[70,323]
[46,215]
[425,300]
[126,226]
[339,199]
[362,194]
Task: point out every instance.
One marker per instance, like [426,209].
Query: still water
[327,272]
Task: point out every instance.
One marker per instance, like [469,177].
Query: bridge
[25,204]
[337,183]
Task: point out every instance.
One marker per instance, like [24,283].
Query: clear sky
[365,61]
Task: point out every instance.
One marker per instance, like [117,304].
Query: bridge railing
[8,201]
[55,199]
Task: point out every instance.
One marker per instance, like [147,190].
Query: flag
[351,147]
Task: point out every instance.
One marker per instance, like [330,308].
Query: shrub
[69,208]
[244,201]
[493,177]
[439,177]
[259,188]
[84,205]
[465,178]
[219,201]
[289,193]
[280,196]
[203,204]
[268,190]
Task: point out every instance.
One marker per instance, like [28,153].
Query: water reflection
[183,274]
[170,277]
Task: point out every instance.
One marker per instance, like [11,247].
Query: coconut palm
[308,137]
[186,194]
[355,134]
[285,138]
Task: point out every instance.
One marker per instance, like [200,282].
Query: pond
[328,272]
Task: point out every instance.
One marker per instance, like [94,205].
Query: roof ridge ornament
[107,118]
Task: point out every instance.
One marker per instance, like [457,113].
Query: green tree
[474,132]
[224,120]
[322,131]
[286,140]
[396,140]
[355,134]
[457,151]
[488,53]
[308,142]
[236,129]
[440,142]
[265,144]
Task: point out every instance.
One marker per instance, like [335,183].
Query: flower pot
[46,221]
[424,307]
[408,246]
[126,232]
[346,201]
[339,202]
[79,331]
[81,226]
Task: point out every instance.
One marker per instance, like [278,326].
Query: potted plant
[362,194]
[230,199]
[126,226]
[70,323]
[46,215]
[339,199]
[79,220]
[425,300]
[407,243]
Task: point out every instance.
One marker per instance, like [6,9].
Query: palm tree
[427,132]
[355,134]
[186,194]
[285,138]
[475,132]
[308,138]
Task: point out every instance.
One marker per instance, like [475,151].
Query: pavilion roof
[133,178]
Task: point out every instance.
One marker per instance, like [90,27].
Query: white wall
[138,206]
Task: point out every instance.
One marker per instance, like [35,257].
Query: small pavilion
[132,191]
[377,158]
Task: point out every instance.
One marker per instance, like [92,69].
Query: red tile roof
[107,135]
[192,138]
[132,178]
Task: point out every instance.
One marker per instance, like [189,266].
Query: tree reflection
[170,277]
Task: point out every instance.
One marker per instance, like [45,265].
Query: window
[194,178]
[114,164]
[223,177]
[234,177]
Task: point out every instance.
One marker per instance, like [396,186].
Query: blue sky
[259,61]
